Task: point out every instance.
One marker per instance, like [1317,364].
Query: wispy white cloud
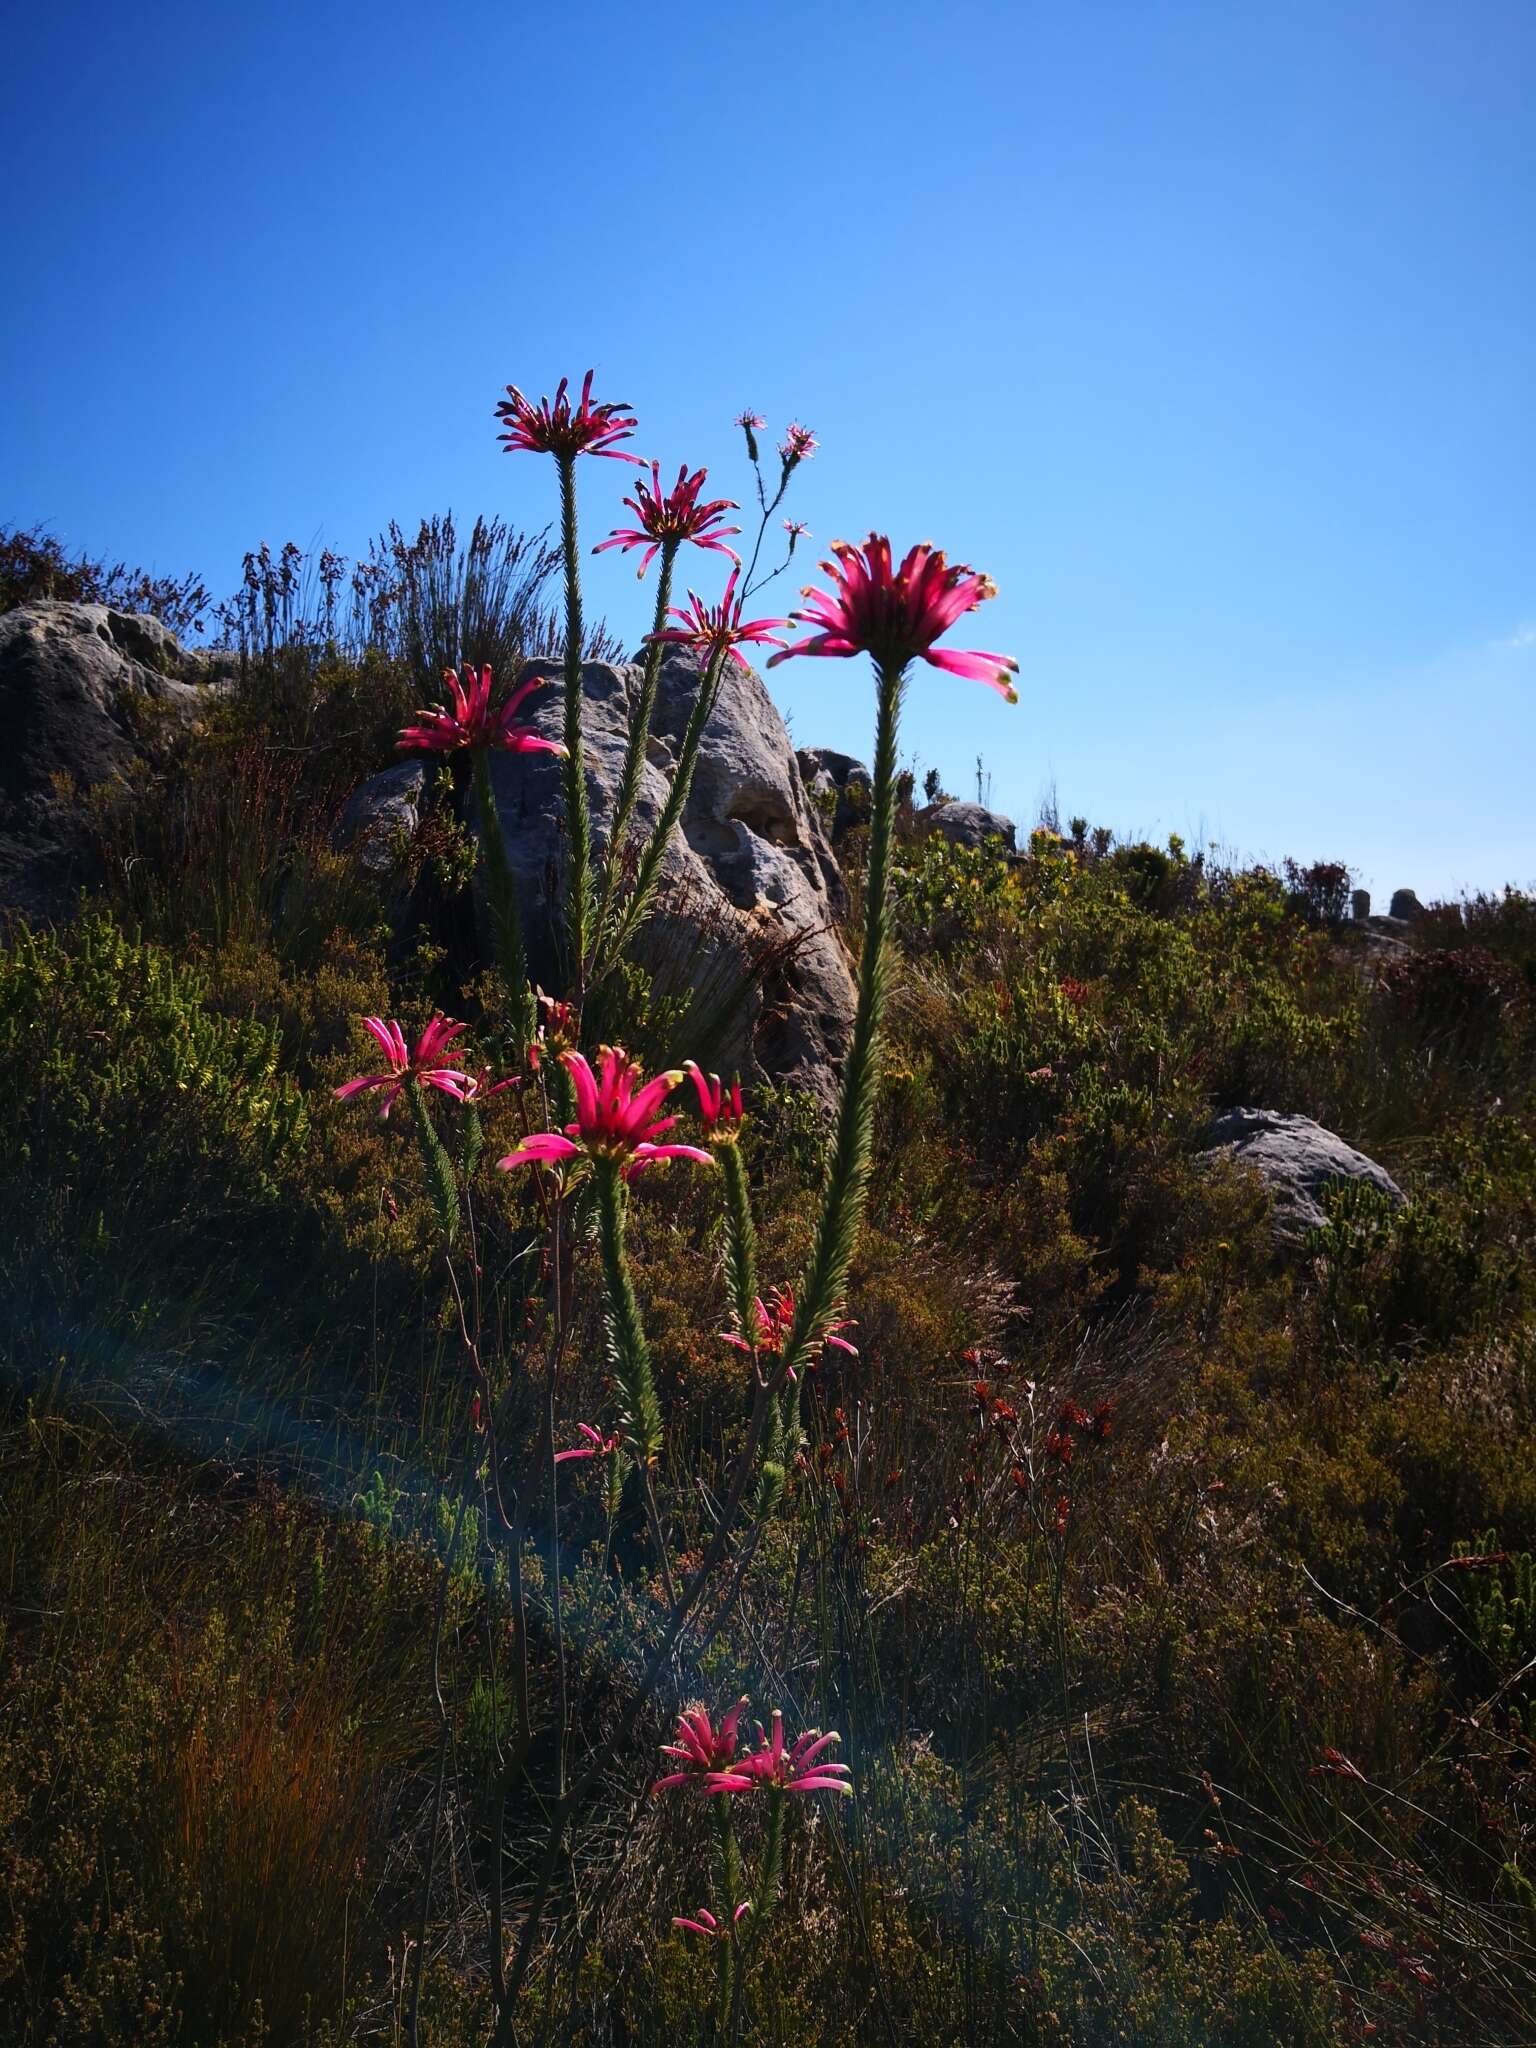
[1523,636]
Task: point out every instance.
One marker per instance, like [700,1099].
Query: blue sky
[1206,329]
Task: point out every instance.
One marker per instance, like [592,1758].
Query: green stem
[578,822]
[441,1178]
[730,1899]
[740,1240]
[842,1212]
[640,1410]
[648,872]
[639,734]
[506,921]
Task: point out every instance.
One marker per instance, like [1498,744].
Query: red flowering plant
[593,1133]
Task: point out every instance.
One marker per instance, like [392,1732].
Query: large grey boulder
[1405,905]
[1296,1159]
[745,922]
[964,824]
[87,694]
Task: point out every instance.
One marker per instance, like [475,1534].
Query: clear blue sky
[1207,329]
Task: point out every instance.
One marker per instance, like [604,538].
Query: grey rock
[381,816]
[87,694]
[843,785]
[745,919]
[964,824]
[1296,1159]
[1360,905]
[1405,905]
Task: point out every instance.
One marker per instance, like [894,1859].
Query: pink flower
[797,531]
[421,1065]
[798,445]
[717,1106]
[708,629]
[557,429]
[614,1109]
[707,1753]
[775,1318]
[796,1769]
[707,1925]
[472,722]
[751,422]
[676,515]
[479,1087]
[596,1446]
[897,615]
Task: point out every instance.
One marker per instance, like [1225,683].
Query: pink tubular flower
[775,1319]
[479,1087]
[750,421]
[472,722]
[707,1753]
[614,1109]
[710,628]
[674,515]
[563,430]
[798,445]
[706,1924]
[719,1107]
[404,1066]
[897,615]
[795,1769]
[596,1446]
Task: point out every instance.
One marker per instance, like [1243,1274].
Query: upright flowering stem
[640,1409]
[639,734]
[578,822]
[506,920]
[740,1238]
[441,1178]
[648,871]
[842,1210]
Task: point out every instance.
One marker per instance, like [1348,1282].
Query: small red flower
[472,722]
[712,629]
[674,515]
[565,430]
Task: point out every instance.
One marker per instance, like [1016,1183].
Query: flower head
[897,614]
[715,629]
[473,723]
[719,1106]
[797,531]
[706,1753]
[674,515]
[596,1446]
[558,1025]
[794,1768]
[775,1319]
[423,1065]
[563,429]
[798,445]
[750,422]
[706,1924]
[479,1087]
[614,1118]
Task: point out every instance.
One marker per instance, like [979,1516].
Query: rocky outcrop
[86,694]
[1296,1159]
[744,928]
[841,788]
[381,817]
[1405,905]
[964,824]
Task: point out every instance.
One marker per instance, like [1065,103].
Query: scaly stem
[648,872]
[847,1185]
[578,822]
[640,1409]
[506,921]
[740,1241]
[441,1179]
[639,735]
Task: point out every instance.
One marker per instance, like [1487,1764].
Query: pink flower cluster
[710,1763]
[424,1064]
[564,430]
[473,723]
[674,515]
